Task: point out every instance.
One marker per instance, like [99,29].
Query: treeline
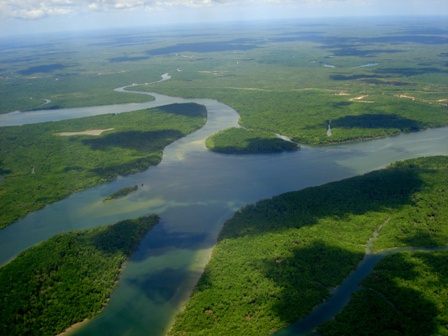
[242,141]
[39,167]
[67,278]
[81,85]
[275,260]
[303,115]
[406,294]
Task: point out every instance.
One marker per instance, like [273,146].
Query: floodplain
[315,82]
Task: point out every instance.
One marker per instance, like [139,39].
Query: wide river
[194,191]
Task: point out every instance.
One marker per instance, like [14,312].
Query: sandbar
[89,132]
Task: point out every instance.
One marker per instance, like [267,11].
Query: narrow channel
[194,191]
[341,296]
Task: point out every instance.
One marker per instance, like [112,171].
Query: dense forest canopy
[242,141]
[42,163]
[275,260]
[316,82]
[67,278]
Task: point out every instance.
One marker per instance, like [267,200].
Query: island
[316,83]
[45,162]
[241,141]
[123,192]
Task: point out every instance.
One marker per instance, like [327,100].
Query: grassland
[39,166]
[67,278]
[276,260]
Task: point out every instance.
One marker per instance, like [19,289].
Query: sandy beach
[89,132]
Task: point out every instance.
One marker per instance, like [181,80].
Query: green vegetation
[406,294]
[39,166]
[77,91]
[67,278]
[122,192]
[242,141]
[370,80]
[275,260]
[303,115]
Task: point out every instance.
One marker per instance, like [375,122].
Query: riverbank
[88,132]
[404,294]
[243,141]
[67,278]
[320,234]
[40,168]
[192,217]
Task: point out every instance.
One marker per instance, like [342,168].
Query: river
[194,191]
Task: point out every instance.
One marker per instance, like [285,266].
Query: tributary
[194,191]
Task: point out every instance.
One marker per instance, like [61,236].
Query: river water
[194,191]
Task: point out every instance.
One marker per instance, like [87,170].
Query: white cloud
[31,10]
[37,9]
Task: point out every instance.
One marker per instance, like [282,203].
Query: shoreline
[95,132]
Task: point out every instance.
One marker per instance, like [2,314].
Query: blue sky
[26,16]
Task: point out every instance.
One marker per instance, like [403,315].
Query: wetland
[265,83]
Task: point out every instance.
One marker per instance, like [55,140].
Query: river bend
[194,191]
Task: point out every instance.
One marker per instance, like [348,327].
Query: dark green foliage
[303,116]
[149,141]
[42,69]
[243,141]
[122,192]
[276,79]
[67,278]
[275,260]
[204,47]
[66,164]
[406,294]
[377,121]
[280,78]
[77,91]
[423,220]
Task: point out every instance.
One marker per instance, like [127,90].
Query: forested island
[242,141]
[67,278]
[45,162]
[276,260]
[123,192]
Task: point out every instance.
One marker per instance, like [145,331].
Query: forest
[39,166]
[66,279]
[277,259]
[242,141]
[369,80]
[406,294]
[303,115]
[295,85]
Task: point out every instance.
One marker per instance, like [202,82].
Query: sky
[38,16]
